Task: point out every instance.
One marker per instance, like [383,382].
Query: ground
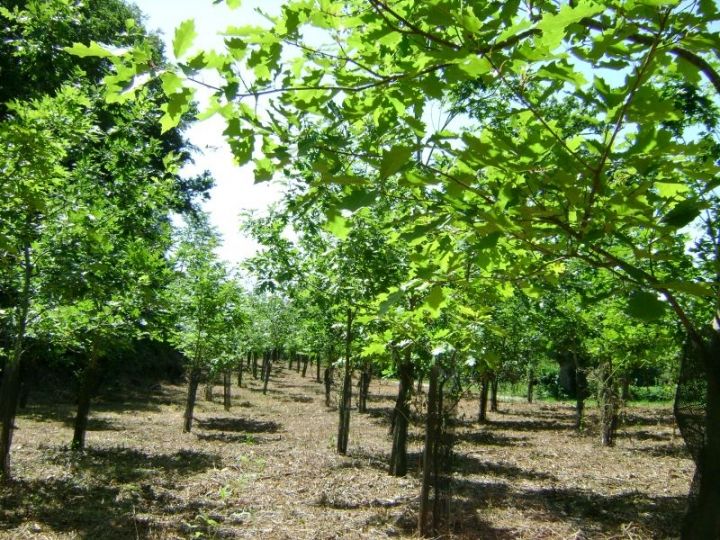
[267,469]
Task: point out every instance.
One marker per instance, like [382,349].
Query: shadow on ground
[238,425]
[108,487]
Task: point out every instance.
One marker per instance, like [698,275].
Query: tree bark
[88,386]
[484,387]
[306,361]
[530,386]
[193,383]
[209,388]
[317,368]
[494,394]
[346,399]
[702,519]
[10,389]
[226,390]
[580,394]
[255,365]
[608,404]
[431,437]
[267,366]
[291,357]
[364,388]
[241,368]
[328,379]
[400,417]
[625,385]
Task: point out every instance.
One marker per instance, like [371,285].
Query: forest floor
[268,469]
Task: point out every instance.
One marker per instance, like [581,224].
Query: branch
[641,71]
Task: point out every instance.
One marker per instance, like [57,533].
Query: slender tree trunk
[241,369]
[494,394]
[317,368]
[226,389]
[266,371]
[328,379]
[625,385]
[193,383]
[608,404]
[306,361]
[580,395]
[346,399]
[364,388]
[297,362]
[419,389]
[401,417]
[291,357]
[530,386]
[10,388]
[255,365]
[431,436]
[484,387]
[209,388]
[87,387]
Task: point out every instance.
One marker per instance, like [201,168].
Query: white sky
[235,190]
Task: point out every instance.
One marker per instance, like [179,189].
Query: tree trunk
[209,388]
[86,390]
[702,519]
[419,384]
[328,379]
[530,387]
[494,394]
[297,362]
[625,385]
[431,436]
[317,368]
[226,390]
[267,366]
[401,416]
[291,357]
[608,404]
[580,395]
[255,365]
[306,361]
[346,399]
[364,388]
[10,391]
[240,371]
[484,387]
[10,388]
[193,383]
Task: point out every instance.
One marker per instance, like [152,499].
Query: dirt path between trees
[267,469]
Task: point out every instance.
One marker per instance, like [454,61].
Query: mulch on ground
[268,469]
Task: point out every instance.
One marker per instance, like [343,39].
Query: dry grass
[267,469]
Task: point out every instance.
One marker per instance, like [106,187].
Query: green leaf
[394,159]
[553,25]
[475,65]
[94,50]
[689,287]
[645,306]
[337,225]
[683,213]
[185,34]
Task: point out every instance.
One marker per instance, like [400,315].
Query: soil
[268,469]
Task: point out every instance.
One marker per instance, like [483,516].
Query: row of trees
[544,215]
[88,190]
[578,137]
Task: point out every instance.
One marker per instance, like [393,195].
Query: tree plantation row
[474,194]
